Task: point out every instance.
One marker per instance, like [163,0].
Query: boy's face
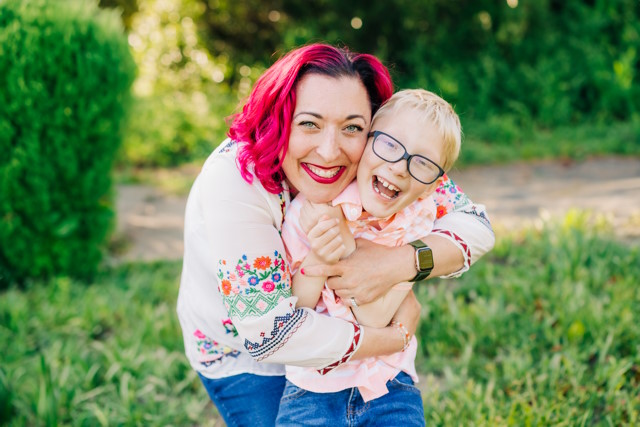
[386,188]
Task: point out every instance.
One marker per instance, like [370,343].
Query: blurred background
[513,69]
[108,109]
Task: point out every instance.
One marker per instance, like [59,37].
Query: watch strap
[423,272]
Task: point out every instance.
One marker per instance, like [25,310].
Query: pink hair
[263,126]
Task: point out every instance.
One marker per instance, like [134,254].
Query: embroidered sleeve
[462,222]
[254,277]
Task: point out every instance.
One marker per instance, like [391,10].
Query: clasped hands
[365,273]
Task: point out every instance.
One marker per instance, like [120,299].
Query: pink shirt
[369,375]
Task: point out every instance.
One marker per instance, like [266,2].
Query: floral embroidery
[449,196]
[210,350]
[253,287]
[441,211]
[283,328]
[228,326]
[261,263]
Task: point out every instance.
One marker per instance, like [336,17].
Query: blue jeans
[246,400]
[402,406]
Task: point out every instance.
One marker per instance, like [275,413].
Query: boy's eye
[420,162]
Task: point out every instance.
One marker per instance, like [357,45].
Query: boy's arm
[379,312]
[330,239]
[307,288]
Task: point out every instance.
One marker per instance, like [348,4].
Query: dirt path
[515,195]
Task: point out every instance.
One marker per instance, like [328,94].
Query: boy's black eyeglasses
[391,150]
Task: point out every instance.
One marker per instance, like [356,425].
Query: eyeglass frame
[406,156]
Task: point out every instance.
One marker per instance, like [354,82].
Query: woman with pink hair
[302,130]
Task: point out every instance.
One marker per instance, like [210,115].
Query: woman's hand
[369,272]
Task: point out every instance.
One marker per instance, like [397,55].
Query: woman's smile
[323,175]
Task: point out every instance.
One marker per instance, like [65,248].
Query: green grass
[543,331]
[106,354]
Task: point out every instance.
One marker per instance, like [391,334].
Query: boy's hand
[325,240]
[368,273]
[409,313]
[311,213]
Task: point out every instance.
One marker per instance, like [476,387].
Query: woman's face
[328,134]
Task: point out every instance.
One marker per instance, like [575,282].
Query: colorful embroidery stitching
[210,350]
[283,206]
[352,349]
[465,248]
[253,288]
[482,217]
[227,147]
[449,197]
[283,328]
[228,326]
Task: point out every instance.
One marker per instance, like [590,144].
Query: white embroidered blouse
[235,304]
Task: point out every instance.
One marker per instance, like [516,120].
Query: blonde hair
[433,109]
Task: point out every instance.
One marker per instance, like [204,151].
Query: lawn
[543,331]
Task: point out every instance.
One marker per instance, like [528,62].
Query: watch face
[425,259]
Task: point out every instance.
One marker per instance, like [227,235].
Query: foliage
[549,61]
[66,76]
[543,332]
[179,107]
[515,66]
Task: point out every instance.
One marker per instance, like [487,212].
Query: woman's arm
[249,270]
[461,235]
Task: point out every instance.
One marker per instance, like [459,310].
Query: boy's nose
[399,168]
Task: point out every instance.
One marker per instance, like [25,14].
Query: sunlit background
[107,112]
[512,68]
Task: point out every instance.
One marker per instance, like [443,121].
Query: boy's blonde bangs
[433,109]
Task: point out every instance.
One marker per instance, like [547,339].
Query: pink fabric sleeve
[295,240]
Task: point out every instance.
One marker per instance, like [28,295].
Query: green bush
[66,73]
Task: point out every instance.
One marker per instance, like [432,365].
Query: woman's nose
[329,147]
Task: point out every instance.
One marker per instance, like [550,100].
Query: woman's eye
[307,124]
[354,128]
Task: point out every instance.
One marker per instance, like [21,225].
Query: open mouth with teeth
[323,175]
[384,188]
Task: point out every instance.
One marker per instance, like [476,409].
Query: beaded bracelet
[406,337]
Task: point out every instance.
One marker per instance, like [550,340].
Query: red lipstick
[322,179]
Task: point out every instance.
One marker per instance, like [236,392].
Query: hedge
[66,71]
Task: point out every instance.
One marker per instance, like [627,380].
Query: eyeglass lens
[392,151]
